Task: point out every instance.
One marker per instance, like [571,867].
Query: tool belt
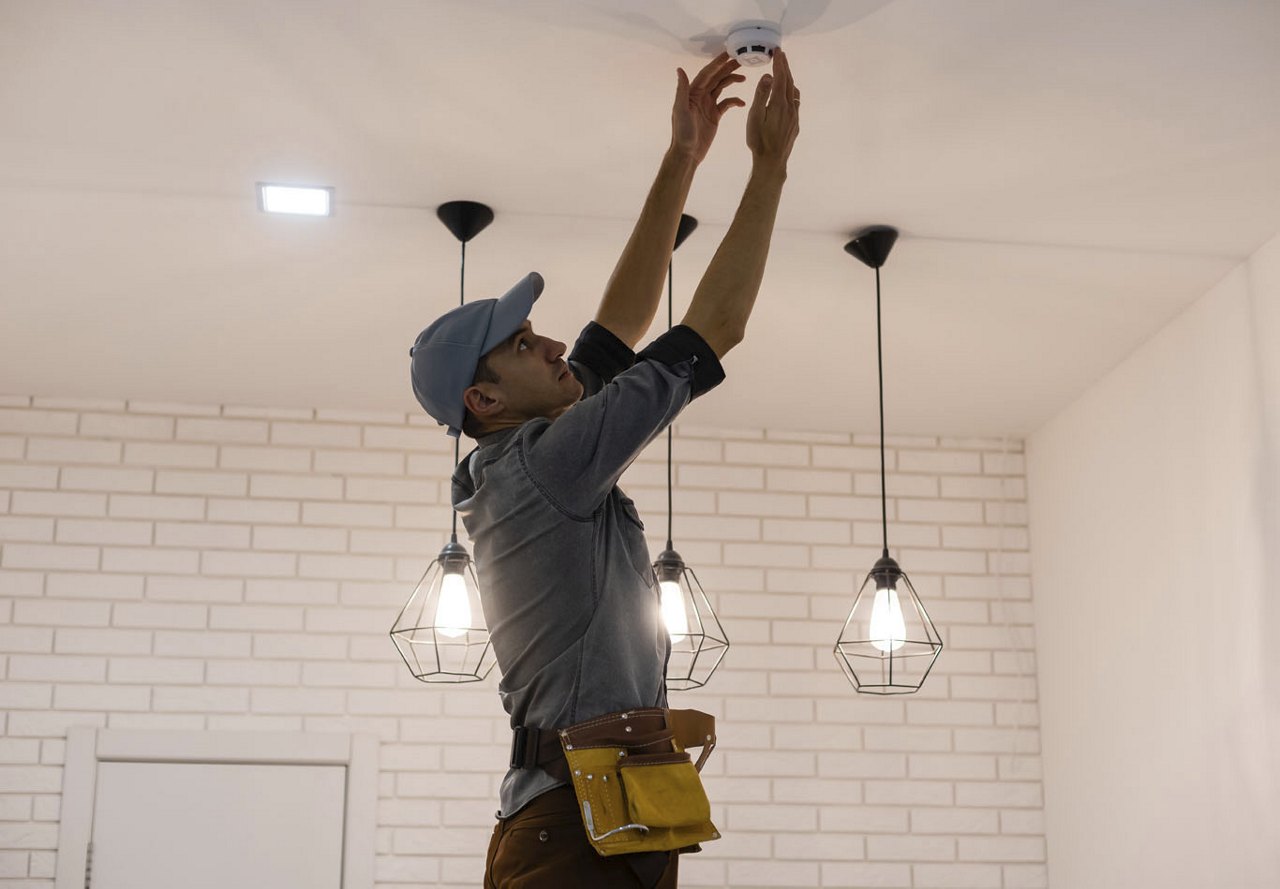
[638,789]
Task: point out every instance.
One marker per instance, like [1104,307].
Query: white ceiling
[1067,176]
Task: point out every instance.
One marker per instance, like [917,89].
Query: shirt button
[543,836]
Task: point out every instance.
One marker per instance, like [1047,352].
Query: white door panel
[183,825]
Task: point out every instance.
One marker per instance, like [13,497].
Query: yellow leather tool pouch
[664,790]
[638,790]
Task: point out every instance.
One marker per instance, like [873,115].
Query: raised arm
[724,298]
[634,290]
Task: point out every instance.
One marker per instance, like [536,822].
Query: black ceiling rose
[465,219]
[872,244]
[686,227]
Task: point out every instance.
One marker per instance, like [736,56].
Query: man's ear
[481,403]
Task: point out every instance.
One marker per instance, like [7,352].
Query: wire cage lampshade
[698,642]
[441,633]
[888,644]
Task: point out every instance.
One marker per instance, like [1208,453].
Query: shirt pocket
[633,539]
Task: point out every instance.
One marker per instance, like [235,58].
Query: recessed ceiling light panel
[297,199]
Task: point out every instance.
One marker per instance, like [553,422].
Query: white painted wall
[1155,548]
[204,567]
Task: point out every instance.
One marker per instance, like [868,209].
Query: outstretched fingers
[682,82]
[785,90]
[755,115]
[728,79]
[715,71]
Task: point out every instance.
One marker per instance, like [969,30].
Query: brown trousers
[545,845]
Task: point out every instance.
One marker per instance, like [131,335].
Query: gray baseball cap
[444,358]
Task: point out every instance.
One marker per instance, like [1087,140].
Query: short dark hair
[471,424]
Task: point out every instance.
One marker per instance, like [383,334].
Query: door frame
[87,746]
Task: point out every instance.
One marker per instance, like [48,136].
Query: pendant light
[698,642]
[441,632]
[888,644]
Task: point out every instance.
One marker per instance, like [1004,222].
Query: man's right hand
[774,119]
[724,298]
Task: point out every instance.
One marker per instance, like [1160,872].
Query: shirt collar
[495,438]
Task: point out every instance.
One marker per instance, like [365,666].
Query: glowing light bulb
[673,613]
[888,630]
[453,613]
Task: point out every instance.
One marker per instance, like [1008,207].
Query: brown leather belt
[533,747]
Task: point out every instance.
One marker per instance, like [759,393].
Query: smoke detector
[753,45]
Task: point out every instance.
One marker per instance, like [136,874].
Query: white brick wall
[196,567]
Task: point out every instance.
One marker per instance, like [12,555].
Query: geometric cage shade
[441,632]
[888,644]
[698,642]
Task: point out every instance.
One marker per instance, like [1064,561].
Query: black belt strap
[535,748]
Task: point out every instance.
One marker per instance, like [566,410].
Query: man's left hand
[698,107]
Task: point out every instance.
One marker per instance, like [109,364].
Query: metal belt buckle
[524,747]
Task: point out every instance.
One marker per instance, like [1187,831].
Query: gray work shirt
[560,553]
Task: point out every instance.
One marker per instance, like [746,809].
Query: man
[561,555]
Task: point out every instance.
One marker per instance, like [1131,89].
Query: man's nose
[554,348]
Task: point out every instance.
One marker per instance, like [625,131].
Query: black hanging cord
[884,509]
[670,280]
[462,277]
[462,289]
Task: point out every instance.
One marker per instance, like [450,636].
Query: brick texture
[232,568]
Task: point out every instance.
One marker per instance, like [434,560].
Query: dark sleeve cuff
[598,349]
[681,344]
